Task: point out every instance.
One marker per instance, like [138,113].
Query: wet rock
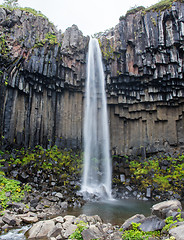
[161,209]
[148,192]
[122,177]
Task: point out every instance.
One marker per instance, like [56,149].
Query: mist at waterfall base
[97,162]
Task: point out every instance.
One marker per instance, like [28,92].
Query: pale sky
[90,16]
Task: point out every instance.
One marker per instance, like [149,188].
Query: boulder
[135,219]
[92,232]
[58,219]
[54,232]
[59,195]
[69,230]
[161,209]
[10,220]
[152,223]
[177,232]
[40,229]
[64,205]
[29,219]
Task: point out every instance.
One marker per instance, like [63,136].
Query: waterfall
[97,162]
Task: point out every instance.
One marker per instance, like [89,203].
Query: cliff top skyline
[90,16]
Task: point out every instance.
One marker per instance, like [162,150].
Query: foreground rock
[164,209]
[92,227]
[62,228]
[178,232]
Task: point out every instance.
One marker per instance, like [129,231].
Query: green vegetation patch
[158,7]
[78,232]
[162,174]
[135,233]
[4,49]
[11,191]
[64,164]
[50,38]
[162,5]
[134,10]
[107,49]
[138,234]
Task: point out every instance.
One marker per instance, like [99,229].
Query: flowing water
[97,161]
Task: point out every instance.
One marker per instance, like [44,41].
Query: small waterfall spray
[97,161]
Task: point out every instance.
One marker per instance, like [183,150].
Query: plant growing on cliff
[11,3]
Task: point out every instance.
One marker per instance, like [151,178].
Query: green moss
[154,21]
[27,9]
[50,38]
[4,49]
[158,7]
[151,173]
[107,49]
[134,10]
[64,162]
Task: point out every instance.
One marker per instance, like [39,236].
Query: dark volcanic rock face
[143,58]
[44,71]
[43,74]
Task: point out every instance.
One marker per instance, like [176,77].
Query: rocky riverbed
[166,218]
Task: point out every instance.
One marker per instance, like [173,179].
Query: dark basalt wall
[43,74]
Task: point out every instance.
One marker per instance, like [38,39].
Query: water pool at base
[114,211]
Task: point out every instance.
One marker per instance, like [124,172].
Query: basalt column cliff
[43,74]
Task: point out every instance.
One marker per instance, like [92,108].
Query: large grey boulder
[40,229]
[135,219]
[93,232]
[69,230]
[152,223]
[54,232]
[177,232]
[161,209]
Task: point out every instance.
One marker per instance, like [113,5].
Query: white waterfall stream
[97,162]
